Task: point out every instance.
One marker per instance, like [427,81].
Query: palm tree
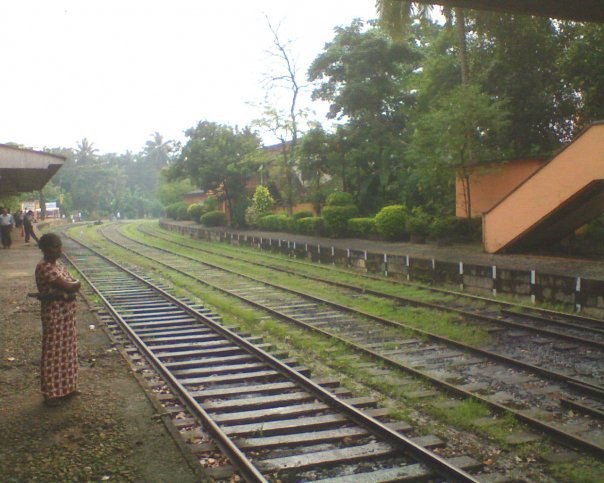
[86,152]
[157,151]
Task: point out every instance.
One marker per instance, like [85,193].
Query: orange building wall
[567,173]
[490,183]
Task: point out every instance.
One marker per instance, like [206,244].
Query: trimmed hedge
[312,225]
[182,213]
[302,214]
[213,218]
[276,222]
[361,227]
[173,209]
[442,228]
[195,211]
[418,224]
[336,219]
[210,204]
[339,198]
[391,222]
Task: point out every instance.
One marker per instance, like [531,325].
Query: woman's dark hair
[48,240]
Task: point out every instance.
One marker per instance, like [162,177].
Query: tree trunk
[42,205]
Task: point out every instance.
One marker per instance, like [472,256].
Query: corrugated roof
[25,170]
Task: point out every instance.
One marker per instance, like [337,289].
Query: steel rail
[440,465]
[430,305]
[249,472]
[560,435]
[481,298]
[393,323]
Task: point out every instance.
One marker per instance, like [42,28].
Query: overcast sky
[117,71]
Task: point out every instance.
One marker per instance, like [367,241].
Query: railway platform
[111,432]
[467,253]
[575,283]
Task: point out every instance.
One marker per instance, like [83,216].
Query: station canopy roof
[577,10]
[25,170]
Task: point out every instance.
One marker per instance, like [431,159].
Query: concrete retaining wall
[580,293]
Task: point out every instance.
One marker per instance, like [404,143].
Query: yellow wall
[491,183]
[567,173]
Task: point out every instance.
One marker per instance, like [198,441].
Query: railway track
[531,396]
[270,419]
[521,338]
[583,330]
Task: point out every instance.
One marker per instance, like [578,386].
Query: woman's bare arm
[66,285]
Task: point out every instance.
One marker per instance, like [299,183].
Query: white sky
[117,71]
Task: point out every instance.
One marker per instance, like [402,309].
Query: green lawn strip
[441,323]
[325,356]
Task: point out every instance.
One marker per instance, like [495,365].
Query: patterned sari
[59,371]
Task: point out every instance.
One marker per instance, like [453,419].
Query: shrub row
[339,219]
[177,211]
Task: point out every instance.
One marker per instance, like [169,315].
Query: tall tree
[284,123]
[216,157]
[367,80]
[85,153]
[516,59]
[458,131]
[581,61]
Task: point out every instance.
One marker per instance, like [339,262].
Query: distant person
[6,226]
[57,290]
[19,222]
[28,226]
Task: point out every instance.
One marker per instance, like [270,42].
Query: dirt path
[109,433]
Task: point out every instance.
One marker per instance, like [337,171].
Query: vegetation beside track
[328,359]
[446,325]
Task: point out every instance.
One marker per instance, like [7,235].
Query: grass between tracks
[444,324]
[404,393]
[416,290]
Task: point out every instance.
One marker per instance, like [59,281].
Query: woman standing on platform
[57,289]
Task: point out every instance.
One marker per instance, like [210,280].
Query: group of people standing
[20,220]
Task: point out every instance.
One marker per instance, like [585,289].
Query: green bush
[336,219]
[467,231]
[361,227]
[182,212]
[312,225]
[170,213]
[391,222]
[195,211]
[210,204]
[442,228]
[238,208]
[339,198]
[173,209]
[418,224]
[262,204]
[279,222]
[213,218]
[303,214]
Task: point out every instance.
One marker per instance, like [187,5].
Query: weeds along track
[575,354]
[534,395]
[234,399]
[547,323]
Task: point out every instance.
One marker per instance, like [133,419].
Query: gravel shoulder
[110,432]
